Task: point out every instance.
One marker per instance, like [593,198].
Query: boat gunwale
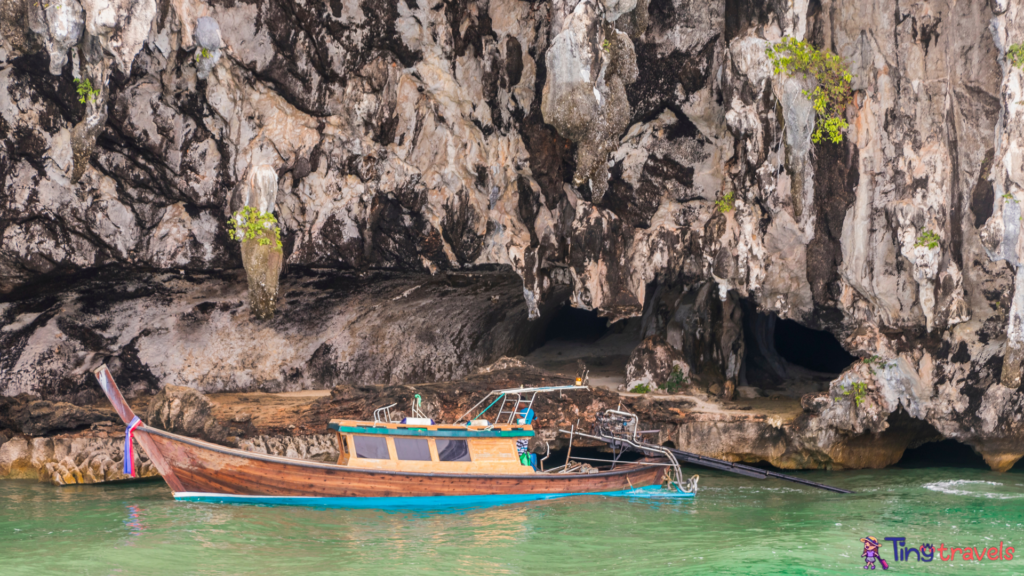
[425,432]
[627,467]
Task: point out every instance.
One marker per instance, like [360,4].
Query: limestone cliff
[582,145]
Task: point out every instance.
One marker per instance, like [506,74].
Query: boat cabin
[417,444]
[436,448]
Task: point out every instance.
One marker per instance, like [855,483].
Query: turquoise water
[733,526]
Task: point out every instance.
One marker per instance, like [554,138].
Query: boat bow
[141,431]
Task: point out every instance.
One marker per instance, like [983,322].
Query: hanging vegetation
[928,239]
[726,203]
[1015,55]
[830,97]
[86,93]
[249,224]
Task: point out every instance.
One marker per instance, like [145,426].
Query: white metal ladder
[513,401]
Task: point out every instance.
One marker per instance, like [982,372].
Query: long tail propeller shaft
[745,470]
[619,430]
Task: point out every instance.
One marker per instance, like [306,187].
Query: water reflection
[134,522]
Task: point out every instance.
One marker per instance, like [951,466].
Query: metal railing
[383,415]
[513,401]
[619,430]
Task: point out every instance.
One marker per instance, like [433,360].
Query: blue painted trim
[415,502]
[431,433]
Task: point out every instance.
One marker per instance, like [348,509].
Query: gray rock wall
[412,136]
[197,331]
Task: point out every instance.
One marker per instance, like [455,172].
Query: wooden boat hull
[204,472]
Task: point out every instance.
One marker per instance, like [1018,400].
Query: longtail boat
[385,464]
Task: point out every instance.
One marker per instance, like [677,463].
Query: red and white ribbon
[129,450]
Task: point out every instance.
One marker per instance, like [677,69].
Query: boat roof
[431,431]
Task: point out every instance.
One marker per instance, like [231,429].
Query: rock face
[64,460]
[589,64]
[29,414]
[184,411]
[652,363]
[208,43]
[262,260]
[262,256]
[197,331]
[427,138]
[323,447]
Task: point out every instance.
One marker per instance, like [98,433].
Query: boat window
[343,454]
[375,447]
[412,449]
[452,450]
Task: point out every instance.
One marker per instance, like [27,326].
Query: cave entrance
[942,454]
[815,350]
[786,357]
[575,325]
[573,335]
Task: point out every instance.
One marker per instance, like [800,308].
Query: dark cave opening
[816,350]
[942,454]
[575,325]
[782,355]
[571,336]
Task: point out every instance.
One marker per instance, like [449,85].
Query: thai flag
[129,451]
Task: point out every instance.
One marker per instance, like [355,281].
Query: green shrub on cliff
[859,391]
[249,224]
[676,380]
[86,93]
[726,203]
[830,97]
[928,239]
[873,362]
[1015,54]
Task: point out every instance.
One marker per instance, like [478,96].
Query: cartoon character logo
[870,554]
